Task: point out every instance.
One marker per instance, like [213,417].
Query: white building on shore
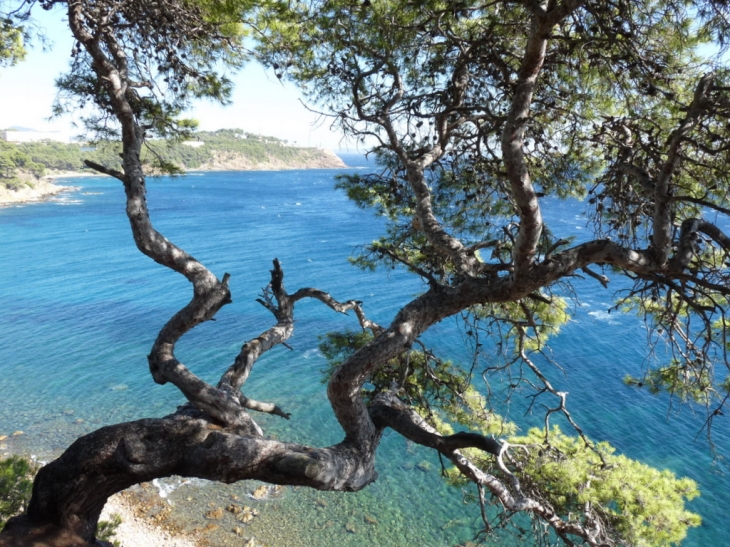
[35,136]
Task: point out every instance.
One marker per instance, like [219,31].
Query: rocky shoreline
[149,518]
[138,529]
[40,190]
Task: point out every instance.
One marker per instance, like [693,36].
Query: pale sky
[261,104]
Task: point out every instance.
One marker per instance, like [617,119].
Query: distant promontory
[236,150]
[26,162]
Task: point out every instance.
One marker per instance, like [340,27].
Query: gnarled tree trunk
[214,436]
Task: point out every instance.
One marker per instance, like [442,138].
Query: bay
[82,307]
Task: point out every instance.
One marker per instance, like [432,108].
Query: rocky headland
[36,190]
[312,159]
[42,189]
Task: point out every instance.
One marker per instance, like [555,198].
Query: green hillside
[222,149]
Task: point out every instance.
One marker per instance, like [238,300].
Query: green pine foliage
[16,486]
[107,529]
[644,505]
[439,390]
[16,483]
[12,43]
[640,505]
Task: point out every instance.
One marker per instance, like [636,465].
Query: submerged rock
[260,493]
[423,466]
[245,517]
[234,508]
[370,519]
[215,514]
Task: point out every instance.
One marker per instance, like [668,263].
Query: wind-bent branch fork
[238,373]
[214,437]
[437,235]
[209,294]
[441,302]
[431,227]
[444,242]
[522,189]
[234,378]
[388,410]
[415,173]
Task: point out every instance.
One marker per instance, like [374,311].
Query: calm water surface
[81,308]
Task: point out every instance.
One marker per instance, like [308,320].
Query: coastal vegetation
[480,116]
[203,150]
[12,48]
[16,482]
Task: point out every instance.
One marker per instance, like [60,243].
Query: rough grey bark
[215,437]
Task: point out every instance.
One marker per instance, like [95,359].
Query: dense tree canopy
[479,110]
[478,114]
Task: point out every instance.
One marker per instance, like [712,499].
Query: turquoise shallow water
[81,308]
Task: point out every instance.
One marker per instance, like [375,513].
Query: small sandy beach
[135,530]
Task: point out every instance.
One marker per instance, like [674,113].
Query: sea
[81,308]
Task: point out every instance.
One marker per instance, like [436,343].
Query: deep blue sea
[81,308]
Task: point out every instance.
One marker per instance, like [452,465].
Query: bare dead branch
[602,279]
[104,170]
[703,203]
[387,410]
